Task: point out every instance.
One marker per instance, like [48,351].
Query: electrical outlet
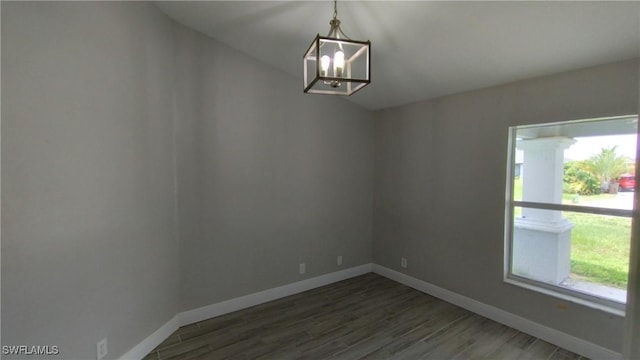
[339,261]
[403,262]
[303,268]
[101,349]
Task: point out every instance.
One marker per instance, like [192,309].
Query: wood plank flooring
[366,317]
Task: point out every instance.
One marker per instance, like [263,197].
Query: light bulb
[325,61]
[338,63]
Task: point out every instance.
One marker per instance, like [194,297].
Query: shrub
[579,180]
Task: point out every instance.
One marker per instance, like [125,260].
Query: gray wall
[89,240]
[439,187]
[268,177]
[631,346]
[124,132]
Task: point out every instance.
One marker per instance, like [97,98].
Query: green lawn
[599,244]
[600,248]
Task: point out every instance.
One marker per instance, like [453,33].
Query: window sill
[593,302]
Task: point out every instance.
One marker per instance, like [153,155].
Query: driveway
[622,200]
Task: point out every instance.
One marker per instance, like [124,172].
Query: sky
[586,147]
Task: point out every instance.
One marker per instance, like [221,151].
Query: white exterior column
[542,238]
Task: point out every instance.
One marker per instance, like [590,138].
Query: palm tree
[606,165]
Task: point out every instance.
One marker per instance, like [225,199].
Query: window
[570,195]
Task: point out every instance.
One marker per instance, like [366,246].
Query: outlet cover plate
[101,349]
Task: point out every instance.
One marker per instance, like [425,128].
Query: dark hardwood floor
[366,317]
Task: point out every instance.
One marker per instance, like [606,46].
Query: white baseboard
[556,337]
[143,348]
[224,307]
[243,302]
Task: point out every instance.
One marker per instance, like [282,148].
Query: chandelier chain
[335,9]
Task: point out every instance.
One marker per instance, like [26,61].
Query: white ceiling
[426,49]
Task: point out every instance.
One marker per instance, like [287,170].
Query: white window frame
[560,292]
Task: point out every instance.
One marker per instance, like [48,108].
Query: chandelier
[335,64]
